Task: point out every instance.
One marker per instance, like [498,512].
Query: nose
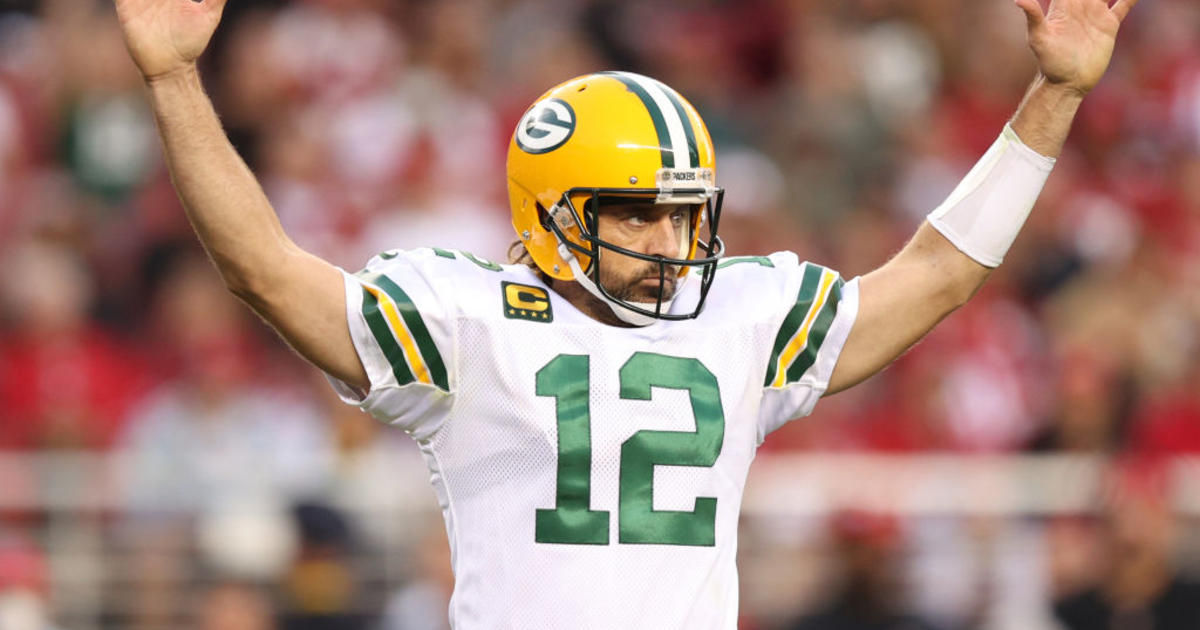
[665,238]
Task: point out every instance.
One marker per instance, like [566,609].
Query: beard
[643,285]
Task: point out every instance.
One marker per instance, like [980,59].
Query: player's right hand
[1073,40]
[166,36]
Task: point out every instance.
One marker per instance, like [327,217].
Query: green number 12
[572,521]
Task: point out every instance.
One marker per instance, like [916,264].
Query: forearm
[298,294]
[953,253]
[222,198]
[900,302]
[1044,117]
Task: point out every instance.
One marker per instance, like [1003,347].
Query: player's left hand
[1073,40]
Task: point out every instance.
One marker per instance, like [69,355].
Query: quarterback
[589,414]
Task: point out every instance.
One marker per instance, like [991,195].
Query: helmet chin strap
[622,312]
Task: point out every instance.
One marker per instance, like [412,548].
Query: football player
[588,418]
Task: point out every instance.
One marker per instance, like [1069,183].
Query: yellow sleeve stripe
[800,339]
[392,314]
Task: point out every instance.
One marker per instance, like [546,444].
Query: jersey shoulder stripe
[401,333]
[805,327]
[761,261]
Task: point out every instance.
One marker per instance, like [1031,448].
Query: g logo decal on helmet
[546,126]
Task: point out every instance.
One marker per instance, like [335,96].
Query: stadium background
[166,462]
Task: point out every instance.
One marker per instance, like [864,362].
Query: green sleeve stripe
[816,336]
[377,322]
[416,326]
[809,285]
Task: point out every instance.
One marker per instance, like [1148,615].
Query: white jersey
[591,475]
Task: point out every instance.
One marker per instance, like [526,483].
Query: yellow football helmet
[611,134]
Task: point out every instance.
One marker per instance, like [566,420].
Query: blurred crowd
[375,124]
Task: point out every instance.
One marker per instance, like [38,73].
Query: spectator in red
[64,381]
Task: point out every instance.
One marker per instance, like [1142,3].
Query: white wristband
[987,209]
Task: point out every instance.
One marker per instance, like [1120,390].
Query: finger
[1033,12]
[1122,7]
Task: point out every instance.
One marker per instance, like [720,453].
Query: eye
[636,220]
[679,217]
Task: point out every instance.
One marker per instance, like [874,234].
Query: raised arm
[298,294]
[933,275]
